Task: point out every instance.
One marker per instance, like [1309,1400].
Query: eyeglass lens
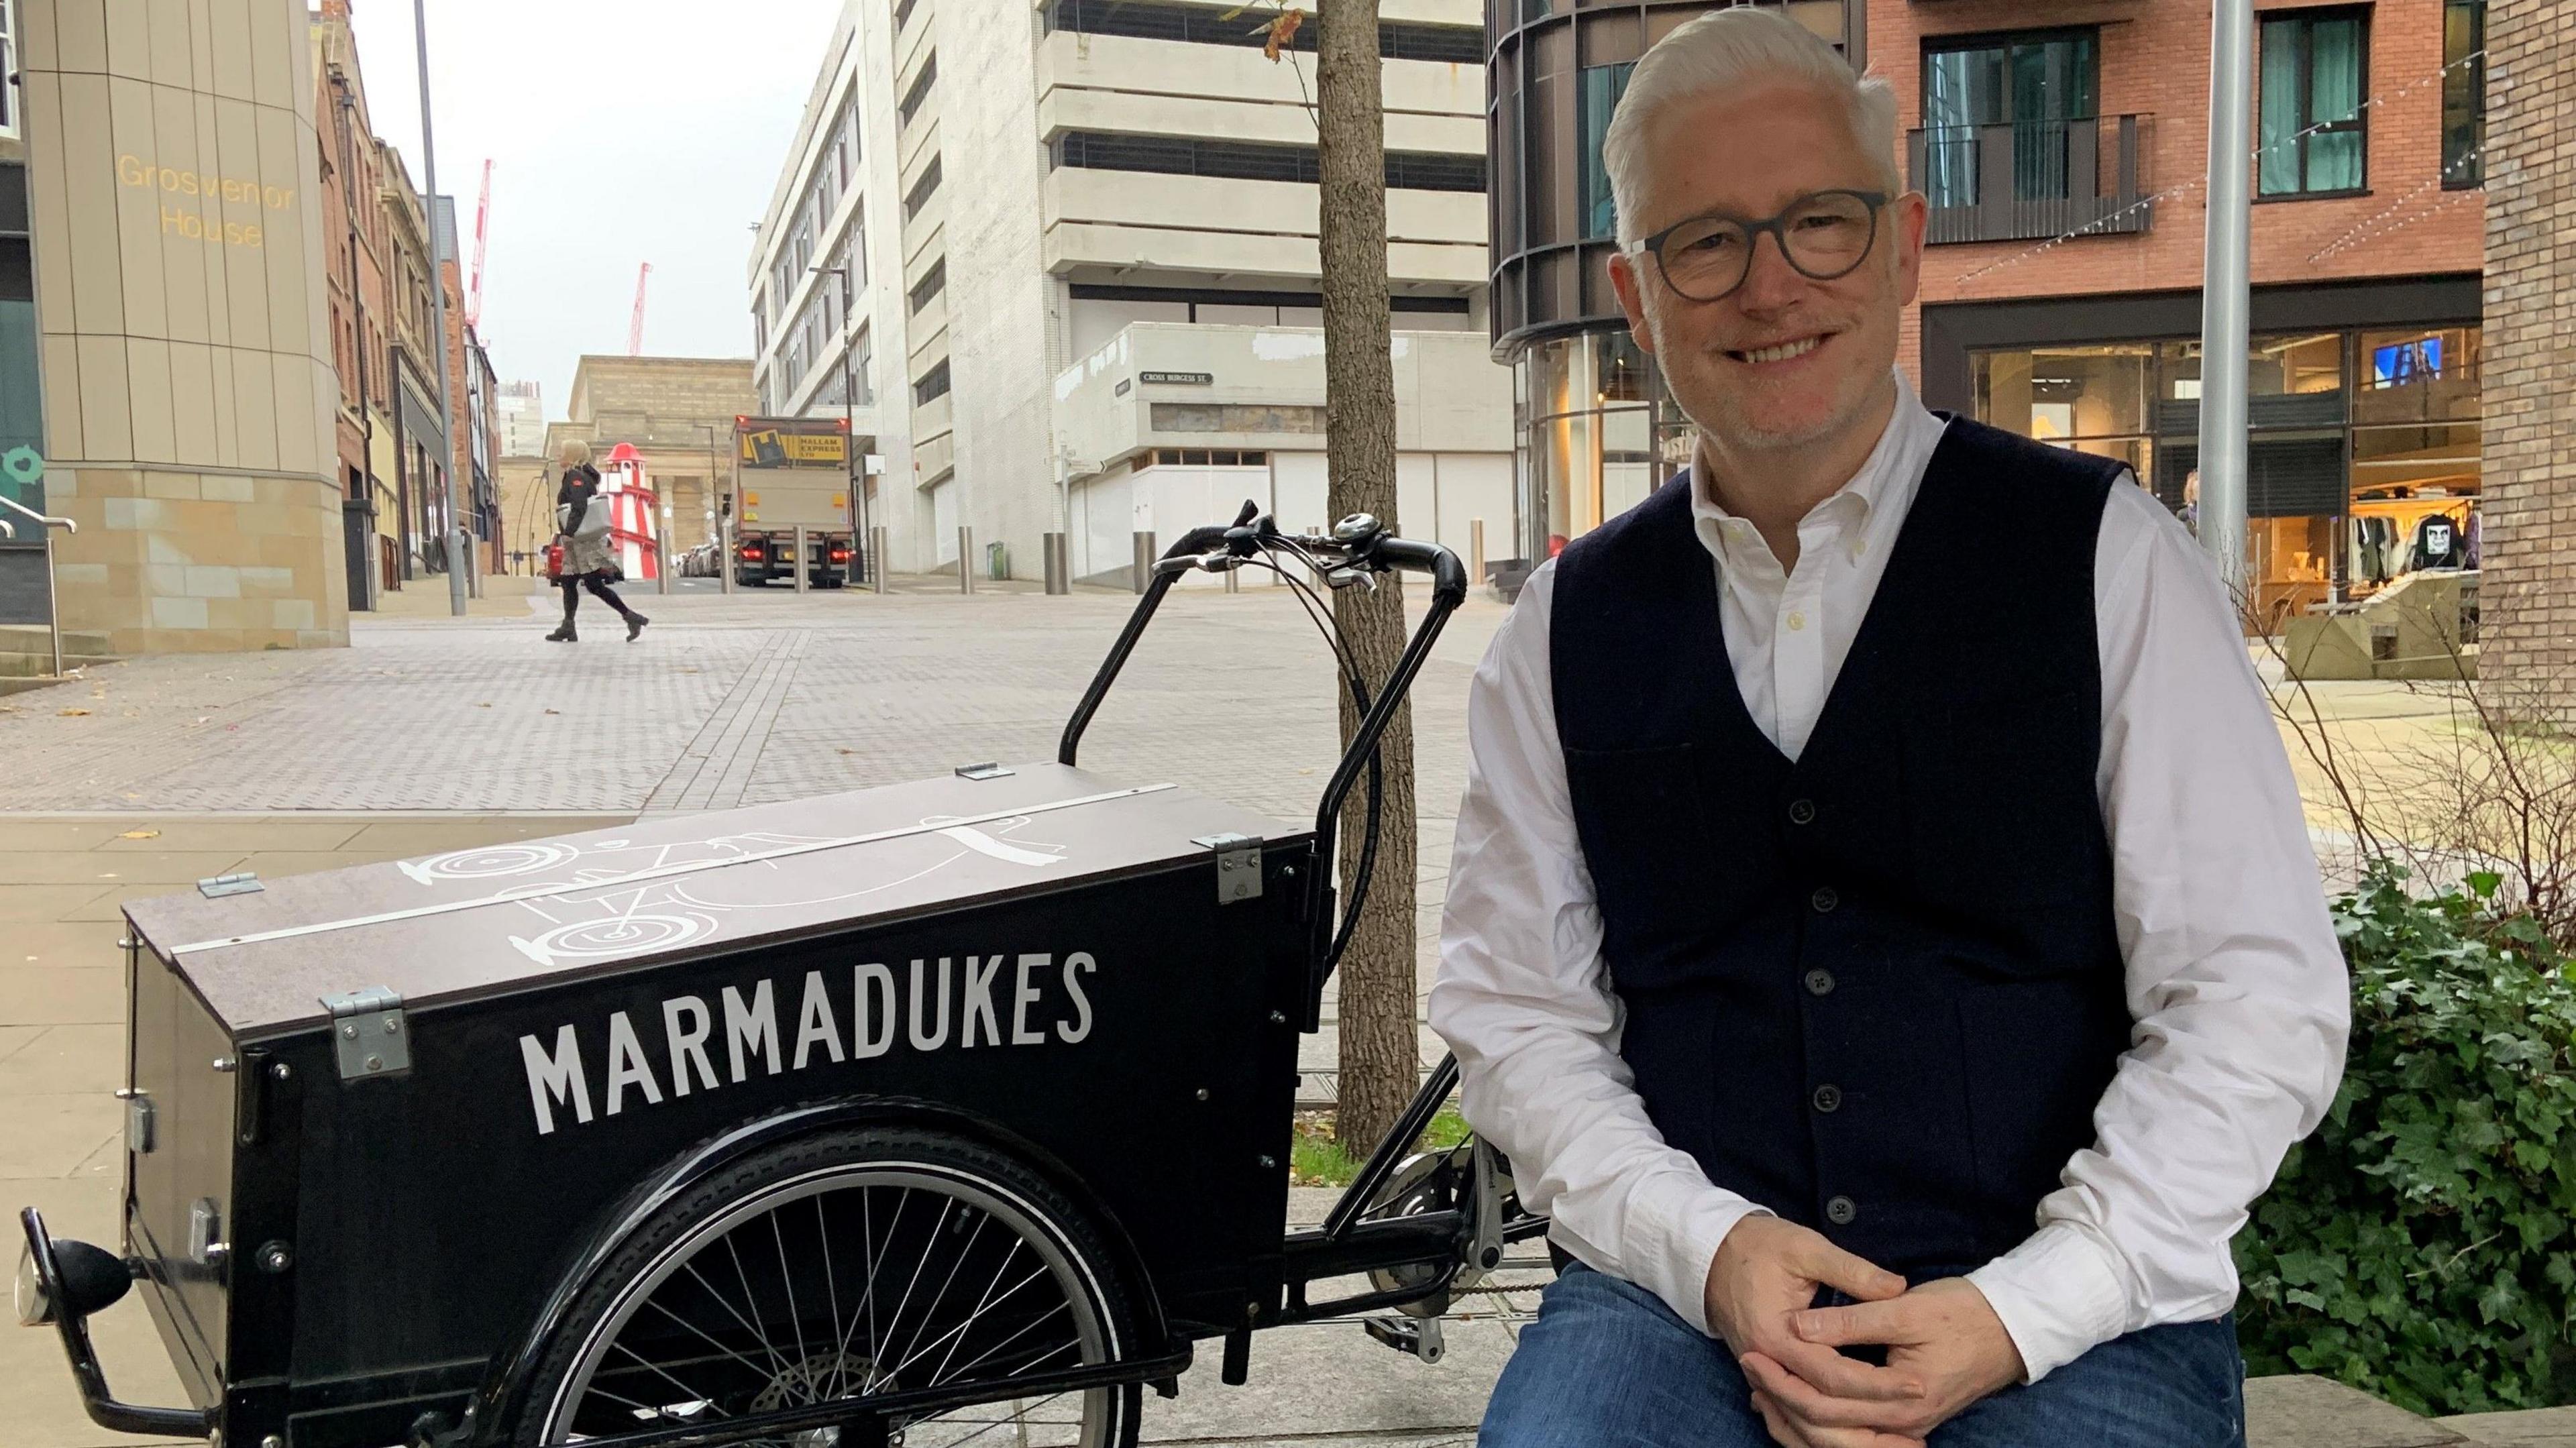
[1822,236]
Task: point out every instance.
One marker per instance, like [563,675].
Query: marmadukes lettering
[1001,1000]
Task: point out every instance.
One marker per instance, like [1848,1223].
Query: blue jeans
[1607,1363]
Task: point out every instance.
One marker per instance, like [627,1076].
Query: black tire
[871,1193]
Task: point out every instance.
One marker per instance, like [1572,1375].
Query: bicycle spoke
[930,1312]
[656,1305]
[832,1293]
[665,1374]
[787,1283]
[753,1299]
[939,1374]
[875,1377]
[721,1301]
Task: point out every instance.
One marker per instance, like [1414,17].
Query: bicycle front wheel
[848,1264]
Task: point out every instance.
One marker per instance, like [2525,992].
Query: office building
[1080,251]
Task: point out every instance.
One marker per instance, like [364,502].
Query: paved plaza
[431,734]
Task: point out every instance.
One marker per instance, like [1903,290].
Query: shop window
[2464,93]
[1596,100]
[2035,83]
[2417,376]
[2313,75]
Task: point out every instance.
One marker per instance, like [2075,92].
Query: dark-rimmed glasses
[1822,235]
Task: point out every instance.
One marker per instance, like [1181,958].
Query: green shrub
[2418,1245]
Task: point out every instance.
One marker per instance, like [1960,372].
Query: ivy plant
[2418,1246]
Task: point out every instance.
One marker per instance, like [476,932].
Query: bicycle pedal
[1416,1336]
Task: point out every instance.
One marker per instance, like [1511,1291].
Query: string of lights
[2175,192]
[2370,226]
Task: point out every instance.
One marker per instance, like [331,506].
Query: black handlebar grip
[1196,541]
[1448,575]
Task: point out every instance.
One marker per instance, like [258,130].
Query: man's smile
[1774,354]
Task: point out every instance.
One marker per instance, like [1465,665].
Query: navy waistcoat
[1877,990]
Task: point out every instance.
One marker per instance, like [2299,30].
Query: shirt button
[1841,1211]
[1820,982]
[1825,899]
[1829,1098]
[1802,812]
[1797,621]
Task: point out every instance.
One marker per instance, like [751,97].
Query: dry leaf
[72,713]
[1282,31]
[140,835]
[554,711]
[482,706]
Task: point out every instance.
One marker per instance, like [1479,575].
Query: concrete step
[35,638]
[18,685]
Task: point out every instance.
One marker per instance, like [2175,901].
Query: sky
[621,132]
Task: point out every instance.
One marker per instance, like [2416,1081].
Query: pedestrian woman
[587,560]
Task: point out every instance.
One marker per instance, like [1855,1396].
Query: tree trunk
[1379,1057]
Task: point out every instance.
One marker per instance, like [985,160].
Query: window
[1595,100]
[8,70]
[1215,25]
[902,15]
[2036,84]
[2312,83]
[919,196]
[2464,93]
[932,283]
[854,249]
[919,90]
[1249,161]
[931,385]
[863,359]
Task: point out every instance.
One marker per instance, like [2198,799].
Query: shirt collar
[1903,446]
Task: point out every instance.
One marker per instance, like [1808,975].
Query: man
[1882,931]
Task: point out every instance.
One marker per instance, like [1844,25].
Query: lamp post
[2224,303]
[849,436]
[459,556]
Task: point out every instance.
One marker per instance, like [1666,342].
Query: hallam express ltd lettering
[781,1024]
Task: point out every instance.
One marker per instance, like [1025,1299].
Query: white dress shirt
[2234,976]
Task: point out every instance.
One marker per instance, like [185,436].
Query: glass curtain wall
[1598,434]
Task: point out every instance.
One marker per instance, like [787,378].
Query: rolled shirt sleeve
[1523,1000]
[2234,976]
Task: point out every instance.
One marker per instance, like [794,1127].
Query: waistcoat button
[1820,982]
[1825,899]
[1840,1211]
[1802,812]
[1829,1098]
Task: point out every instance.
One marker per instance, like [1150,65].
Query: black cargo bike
[944,1112]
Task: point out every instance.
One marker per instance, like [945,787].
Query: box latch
[368,1033]
[241,882]
[1238,866]
[986,770]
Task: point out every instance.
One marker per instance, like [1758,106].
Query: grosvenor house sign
[185,197]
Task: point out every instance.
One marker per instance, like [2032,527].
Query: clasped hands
[1946,1348]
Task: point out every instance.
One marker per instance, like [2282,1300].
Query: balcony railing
[2030,180]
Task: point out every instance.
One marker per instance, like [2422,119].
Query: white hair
[573,453]
[1731,51]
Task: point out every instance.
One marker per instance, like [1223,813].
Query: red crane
[635,329]
[482,232]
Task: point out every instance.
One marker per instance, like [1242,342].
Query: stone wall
[2528,595]
[189,388]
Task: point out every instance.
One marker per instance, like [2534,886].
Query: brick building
[2529,641]
[2367,244]
[354,243]
[2062,151]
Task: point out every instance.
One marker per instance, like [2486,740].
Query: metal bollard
[1475,550]
[1141,569]
[1234,580]
[800,558]
[965,559]
[1059,567]
[877,559]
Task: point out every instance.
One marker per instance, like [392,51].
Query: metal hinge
[982,771]
[244,882]
[1238,866]
[368,1033]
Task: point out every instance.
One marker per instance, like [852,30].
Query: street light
[718,515]
[849,435]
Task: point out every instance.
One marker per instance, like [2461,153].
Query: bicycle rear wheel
[850,1263]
